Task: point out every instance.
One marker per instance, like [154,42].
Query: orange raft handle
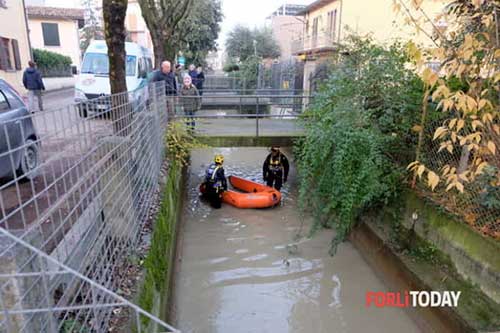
[256,196]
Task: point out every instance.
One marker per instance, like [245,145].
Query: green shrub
[358,134]
[228,68]
[50,60]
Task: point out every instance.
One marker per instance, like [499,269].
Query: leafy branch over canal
[359,134]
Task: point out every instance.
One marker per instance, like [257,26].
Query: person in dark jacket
[275,168]
[215,182]
[194,74]
[165,74]
[32,81]
[201,80]
[190,100]
[179,73]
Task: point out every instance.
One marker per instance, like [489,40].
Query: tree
[470,53]
[243,42]
[92,29]
[163,18]
[114,12]
[267,46]
[198,31]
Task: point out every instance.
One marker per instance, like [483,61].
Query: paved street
[55,99]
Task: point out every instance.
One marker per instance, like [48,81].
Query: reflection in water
[257,271]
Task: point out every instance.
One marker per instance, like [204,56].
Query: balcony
[323,42]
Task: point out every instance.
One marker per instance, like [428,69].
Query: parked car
[19,147]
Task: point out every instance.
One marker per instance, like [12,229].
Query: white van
[93,81]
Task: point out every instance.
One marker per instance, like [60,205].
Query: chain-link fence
[479,205]
[77,185]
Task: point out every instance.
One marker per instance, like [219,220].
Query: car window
[14,101]
[98,63]
[142,67]
[4,105]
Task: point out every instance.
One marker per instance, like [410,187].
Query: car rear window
[4,106]
[14,101]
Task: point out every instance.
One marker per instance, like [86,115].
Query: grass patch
[158,263]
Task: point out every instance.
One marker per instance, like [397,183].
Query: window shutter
[17,57]
[4,54]
[50,34]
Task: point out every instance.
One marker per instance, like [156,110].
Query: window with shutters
[315,27]
[50,34]
[5,59]
[332,23]
[17,56]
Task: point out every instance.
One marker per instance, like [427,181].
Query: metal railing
[60,71]
[224,82]
[243,115]
[79,184]
[314,42]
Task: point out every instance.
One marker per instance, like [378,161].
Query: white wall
[68,37]
[13,26]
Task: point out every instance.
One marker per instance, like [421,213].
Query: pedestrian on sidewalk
[179,73]
[32,81]
[194,74]
[200,80]
[166,75]
[190,101]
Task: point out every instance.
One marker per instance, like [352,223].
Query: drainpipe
[27,30]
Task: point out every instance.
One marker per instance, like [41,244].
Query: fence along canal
[76,214]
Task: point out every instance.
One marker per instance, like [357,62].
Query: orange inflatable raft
[256,196]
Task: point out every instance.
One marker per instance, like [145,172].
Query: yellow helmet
[219,159]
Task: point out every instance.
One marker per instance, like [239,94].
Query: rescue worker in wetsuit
[276,168]
[215,182]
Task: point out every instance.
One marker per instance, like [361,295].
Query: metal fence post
[257,118]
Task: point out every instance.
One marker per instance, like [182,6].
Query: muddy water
[256,270]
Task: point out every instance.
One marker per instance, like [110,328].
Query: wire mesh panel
[479,205]
[78,183]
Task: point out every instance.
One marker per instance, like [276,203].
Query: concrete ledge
[247,141]
[433,252]
[475,256]
[58,83]
[391,269]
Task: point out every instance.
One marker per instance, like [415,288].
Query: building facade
[136,26]
[15,51]
[56,29]
[287,25]
[329,22]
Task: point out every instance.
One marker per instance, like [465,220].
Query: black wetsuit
[275,170]
[216,184]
